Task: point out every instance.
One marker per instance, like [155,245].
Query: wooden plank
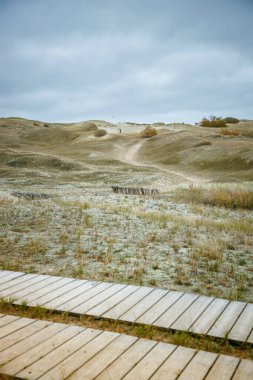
[58,291]
[31,298]
[177,309]
[97,299]
[22,293]
[174,365]
[142,306]
[207,319]
[159,308]
[15,281]
[23,333]
[72,303]
[108,304]
[4,273]
[223,368]
[11,276]
[244,371]
[10,328]
[6,319]
[227,319]
[192,313]
[76,360]
[127,303]
[104,358]
[199,366]
[49,361]
[250,338]
[17,365]
[14,289]
[243,326]
[139,360]
[71,295]
[28,343]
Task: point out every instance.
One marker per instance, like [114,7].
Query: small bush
[100,133]
[213,122]
[231,120]
[148,132]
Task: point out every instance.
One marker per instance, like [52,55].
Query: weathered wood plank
[147,365]
[142,306]
[15,281]
[4,273]
[49,361]
[108,304]
[15,325]
[78,359]
[70,295]
[127,303]
[243,326]
[244,370]
[10,291]
[31,298]
[22,293]
[96,300]
[6,319]
[62,290]
[104,358]
[28,343]
[82,297]
[209,316]
[177,309]
[227,319]
[192,313]
[250,338]
[198,366]
[127,360]
[17,365]
[159,308]
[11,276]
[23,333]
[223,368]
[174,365]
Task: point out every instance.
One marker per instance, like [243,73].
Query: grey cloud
[126,60]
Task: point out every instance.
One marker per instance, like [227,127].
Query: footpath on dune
[130,153]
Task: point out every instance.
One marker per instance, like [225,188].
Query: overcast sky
[126,60]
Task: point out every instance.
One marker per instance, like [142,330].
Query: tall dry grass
[222,197]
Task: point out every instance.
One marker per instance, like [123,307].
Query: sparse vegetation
[213,122]
[222,197]
[148,132]
[231,120]
[100,133]
[229,132]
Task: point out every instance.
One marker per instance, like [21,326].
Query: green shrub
[231,120]
[213,122]
[100,133]
[148,132]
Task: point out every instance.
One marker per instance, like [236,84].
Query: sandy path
[130,156]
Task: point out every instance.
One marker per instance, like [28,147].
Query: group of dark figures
[132,190]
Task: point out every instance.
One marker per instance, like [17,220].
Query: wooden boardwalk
[34,349]
[137,304]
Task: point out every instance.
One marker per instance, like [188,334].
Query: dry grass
[229,132]
[221,197]
[148,132]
